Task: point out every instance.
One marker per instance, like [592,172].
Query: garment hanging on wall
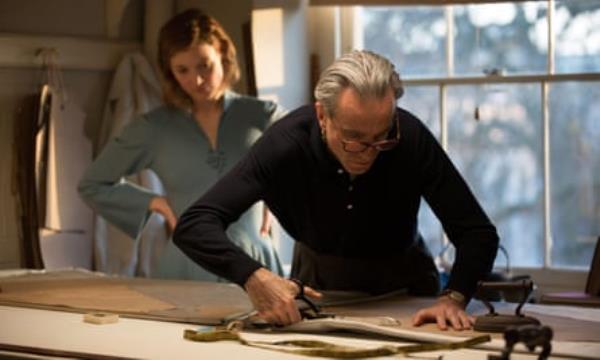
[62,154]
[42,139]
[135,90]
[67,225]
[26,129]
[51,153]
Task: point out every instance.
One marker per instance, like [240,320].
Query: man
[345,178]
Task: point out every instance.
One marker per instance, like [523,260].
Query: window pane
[575,171]
[423,102]
[509,37]
[500,156]
[577,29]
[412,37]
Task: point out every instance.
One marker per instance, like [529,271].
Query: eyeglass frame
[375,144]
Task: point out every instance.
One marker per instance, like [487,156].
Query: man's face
[355,119]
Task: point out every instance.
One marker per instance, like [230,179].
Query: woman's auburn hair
[191,28]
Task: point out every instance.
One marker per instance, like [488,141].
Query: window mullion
[545,87]
[550,24]
[449,12]
[444,143]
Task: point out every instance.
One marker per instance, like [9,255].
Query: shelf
[71,53]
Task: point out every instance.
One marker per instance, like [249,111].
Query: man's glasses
[354,146]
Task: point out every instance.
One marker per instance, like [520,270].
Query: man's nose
[369,154]
[199,80]
[371,151]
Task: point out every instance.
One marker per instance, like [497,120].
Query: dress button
[349,207]
[340,171]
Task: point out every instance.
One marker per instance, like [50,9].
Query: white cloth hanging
[67,227]
[134,91]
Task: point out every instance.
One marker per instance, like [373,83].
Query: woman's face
[199,72]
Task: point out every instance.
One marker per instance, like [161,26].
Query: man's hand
[273,297]
[445,311]
[160,205]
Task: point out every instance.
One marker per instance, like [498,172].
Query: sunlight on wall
[267,30]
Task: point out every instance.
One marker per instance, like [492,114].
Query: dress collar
[228,98]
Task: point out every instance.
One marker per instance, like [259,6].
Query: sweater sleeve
[104,188]
[466,224]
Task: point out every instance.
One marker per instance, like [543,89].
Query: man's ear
[320,110]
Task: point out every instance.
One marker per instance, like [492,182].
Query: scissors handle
[302,296]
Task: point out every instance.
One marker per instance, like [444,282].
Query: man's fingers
[283,318]
[312,292]
[295,316]
[276,317]
[287,313]
[419,318]
[268,316]
[454,321]
[441,322]
[292,312]
[466,321]
[444,314]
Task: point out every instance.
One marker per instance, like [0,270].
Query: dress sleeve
[104,188]
[200,231]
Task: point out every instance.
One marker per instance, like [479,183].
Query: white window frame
[548,278]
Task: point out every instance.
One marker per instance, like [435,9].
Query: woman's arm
[103,187]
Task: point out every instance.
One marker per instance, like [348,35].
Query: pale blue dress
[171,143]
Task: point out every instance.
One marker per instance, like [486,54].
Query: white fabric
[373,326]
[66,233]
[69,154]
[134,91]
[145,339]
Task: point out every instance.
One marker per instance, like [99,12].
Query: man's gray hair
[370,74]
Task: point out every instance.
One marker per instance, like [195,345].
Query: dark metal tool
[494,322]
[530,335]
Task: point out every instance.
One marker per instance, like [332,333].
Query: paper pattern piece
[165,300]
[76,294]
[383,326]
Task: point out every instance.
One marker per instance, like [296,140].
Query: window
[511,91]
[419,51]
[575,171]
[494,140]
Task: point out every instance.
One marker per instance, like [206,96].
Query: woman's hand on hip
[160,204]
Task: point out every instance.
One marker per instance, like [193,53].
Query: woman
[201,132]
